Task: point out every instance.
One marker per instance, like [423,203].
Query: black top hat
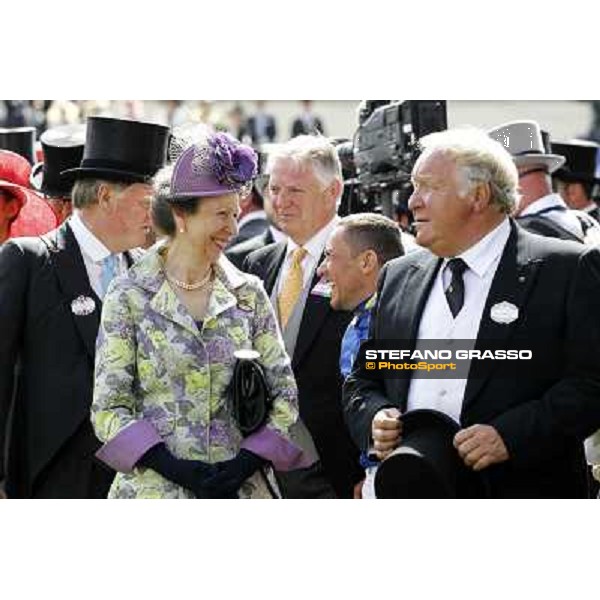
[63,149]
[426,464]
[581,161]
[122,150]
[20,140]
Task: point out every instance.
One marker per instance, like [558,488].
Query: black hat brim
[115,175]
[574,177]
[38,183]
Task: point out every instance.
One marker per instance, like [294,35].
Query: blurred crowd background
[278,120]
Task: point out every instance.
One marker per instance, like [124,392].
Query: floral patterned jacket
[161,378]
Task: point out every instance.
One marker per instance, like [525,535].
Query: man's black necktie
[455,293]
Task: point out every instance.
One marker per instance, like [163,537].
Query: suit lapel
[411,298]
[74,283]
[512,283]
[268,237]
[315,311]
[271,265]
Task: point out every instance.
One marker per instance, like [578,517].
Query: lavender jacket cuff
[129,445]
[281,453]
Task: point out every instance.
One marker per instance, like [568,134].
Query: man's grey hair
[314,150]
[481,160]
[370,231]
[85,191]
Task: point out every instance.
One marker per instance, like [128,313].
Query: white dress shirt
[93,252]
[314,249]
[446,395]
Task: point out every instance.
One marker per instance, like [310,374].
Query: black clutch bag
[248,393]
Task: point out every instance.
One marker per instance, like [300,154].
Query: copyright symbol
[370,365]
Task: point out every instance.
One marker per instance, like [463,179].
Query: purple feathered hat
[220,165]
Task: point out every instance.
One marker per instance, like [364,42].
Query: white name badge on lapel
[322,288]
[83,305]
[504,313]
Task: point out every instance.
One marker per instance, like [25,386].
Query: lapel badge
[504,313]
[83,305]
[322,288]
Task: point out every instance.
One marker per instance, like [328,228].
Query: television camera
[377,164]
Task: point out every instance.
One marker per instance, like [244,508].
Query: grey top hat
[523,140]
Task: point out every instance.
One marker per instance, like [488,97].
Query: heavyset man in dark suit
[305,185]
[51,291]
[485,278]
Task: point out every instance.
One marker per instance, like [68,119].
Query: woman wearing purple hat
[165,349]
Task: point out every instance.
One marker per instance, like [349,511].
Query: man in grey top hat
[539,209]
[51,290]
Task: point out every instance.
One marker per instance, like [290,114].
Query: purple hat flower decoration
[219,165]
[231,162]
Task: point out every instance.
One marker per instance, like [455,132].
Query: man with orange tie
[305,186]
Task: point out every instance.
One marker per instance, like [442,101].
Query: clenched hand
[386,430]
[480,446]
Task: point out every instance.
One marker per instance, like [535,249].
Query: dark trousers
[305,483]
[74,472]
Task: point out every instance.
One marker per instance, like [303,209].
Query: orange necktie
[292,286]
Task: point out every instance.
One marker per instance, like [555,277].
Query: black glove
[190,474]
[231,474]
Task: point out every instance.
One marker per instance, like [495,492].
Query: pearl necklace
[190,286]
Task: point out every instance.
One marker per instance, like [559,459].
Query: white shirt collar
[316,244]
[548,201]
[481,256]
[88,242]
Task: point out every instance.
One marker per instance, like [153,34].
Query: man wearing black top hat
[51,291]
[577,178]
[487,281]
[20,140]
[62,150]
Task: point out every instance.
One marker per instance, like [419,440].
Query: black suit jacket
[237,254]
[316,368]
[543,422]
[46,360]
[249,230]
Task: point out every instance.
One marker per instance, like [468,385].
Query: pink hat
[14,168]
[220,165]
[35,216]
